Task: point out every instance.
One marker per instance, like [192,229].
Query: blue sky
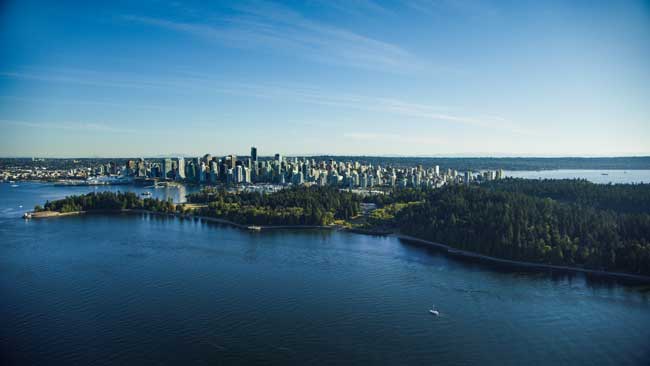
[451,77]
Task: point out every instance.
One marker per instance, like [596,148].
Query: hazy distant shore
[463,254]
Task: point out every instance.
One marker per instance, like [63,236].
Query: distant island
[552,222]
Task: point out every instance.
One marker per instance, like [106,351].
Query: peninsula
[557,223]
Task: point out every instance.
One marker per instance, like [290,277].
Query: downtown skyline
[411,78]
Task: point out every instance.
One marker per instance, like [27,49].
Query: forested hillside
[618,197]
[519,226]
[294,206]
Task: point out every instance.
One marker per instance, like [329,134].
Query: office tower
[239,174]
[180,174]
[166,168]
[190,170]
[142,169]
[201,172]
[233,161]
[278,157]
[254,154]
[247,175]
[214,172]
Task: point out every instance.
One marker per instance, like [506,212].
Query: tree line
[292,206]
[631,198]
[514,225]
[107,201]
[574,223]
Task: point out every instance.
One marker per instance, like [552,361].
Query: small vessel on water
[146,194]
[434,311]
[27,215]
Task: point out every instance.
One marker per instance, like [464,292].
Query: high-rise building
[254,154]
[166,168]
[232,161]
[214,172]
[197,169]
[239,174]
[278,157]
[201,172]
[180,174]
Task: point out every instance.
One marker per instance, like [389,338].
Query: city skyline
[451,78]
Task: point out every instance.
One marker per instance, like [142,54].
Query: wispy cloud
[265,25]
[70,126]
[208,86]
[80,102]
[389,138]
[469,8]
[356,7]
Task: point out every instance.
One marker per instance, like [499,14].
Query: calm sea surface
[153,290]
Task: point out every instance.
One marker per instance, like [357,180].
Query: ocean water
[140,289]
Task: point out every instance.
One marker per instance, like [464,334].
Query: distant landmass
[459,163]
[507,163]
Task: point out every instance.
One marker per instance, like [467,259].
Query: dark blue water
[152,290]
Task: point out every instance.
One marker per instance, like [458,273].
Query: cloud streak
[278,28]
[69,126]
[209,86]
[389,138]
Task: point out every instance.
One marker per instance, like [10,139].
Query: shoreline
[448,250]
[453,252]
[54,214]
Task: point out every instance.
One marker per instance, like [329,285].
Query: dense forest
[514,225]
[563,222]
[294,206]
[106,201]
[632,198]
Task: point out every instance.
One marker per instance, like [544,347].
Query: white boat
[434,311]
[146,194]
